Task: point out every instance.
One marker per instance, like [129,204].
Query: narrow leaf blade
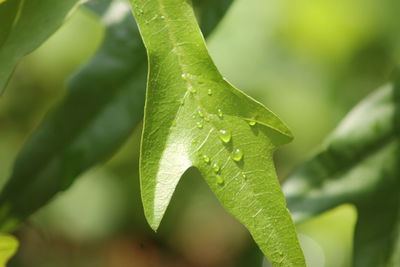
[103,106]
[350,164]
[358,164]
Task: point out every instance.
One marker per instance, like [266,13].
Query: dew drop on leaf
[216,167]
[183,76]
[200,125]
[209,92]
[182,102]
[237,155]
[173,124]
[220,180]
[252,122]
[219,113]
[206,159]
[200,114]
[244,176]
[225,136]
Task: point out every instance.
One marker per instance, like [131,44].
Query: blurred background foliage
[309,61]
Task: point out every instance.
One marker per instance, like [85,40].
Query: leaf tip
[153,219]
[154,225]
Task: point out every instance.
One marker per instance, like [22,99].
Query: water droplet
[220,180]
[237,155]
[200,125]
[216,167]
[200,114]
[280,253]
[182,102]
[206,159]
[209,92]
[225,136]
[141,11]
[162,17]
[183,75]
[173,123]
[219,113]
[252,122]
[244,176]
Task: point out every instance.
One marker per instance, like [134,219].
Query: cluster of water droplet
[224,135]
[237,155]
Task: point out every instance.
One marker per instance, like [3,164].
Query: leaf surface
[194,117]
[103,106]
[358,164]
[8,247]
[25,24]
[376,239]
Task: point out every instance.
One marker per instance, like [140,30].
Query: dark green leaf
[359,164]
[8,247]
[194,117]
[103,106]
[25,24]
[210,12]
[377,231]
[352,161]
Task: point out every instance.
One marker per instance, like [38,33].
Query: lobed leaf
[25,24]
[359,164]
[8,247]
[194,117]
[103,106]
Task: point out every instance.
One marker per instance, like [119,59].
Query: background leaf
[8,247]
[377,231]
[25,24]
[357,164]
[103,106]
[194,117]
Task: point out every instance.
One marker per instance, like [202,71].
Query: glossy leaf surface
[194,117]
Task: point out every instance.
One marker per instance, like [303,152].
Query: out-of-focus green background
[309,61]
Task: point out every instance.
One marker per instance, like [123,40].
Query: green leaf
[25,24]
[103,106]
[378,231]
[350,163]
[194,117]
[210,12]
[8,247]
[358,164]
